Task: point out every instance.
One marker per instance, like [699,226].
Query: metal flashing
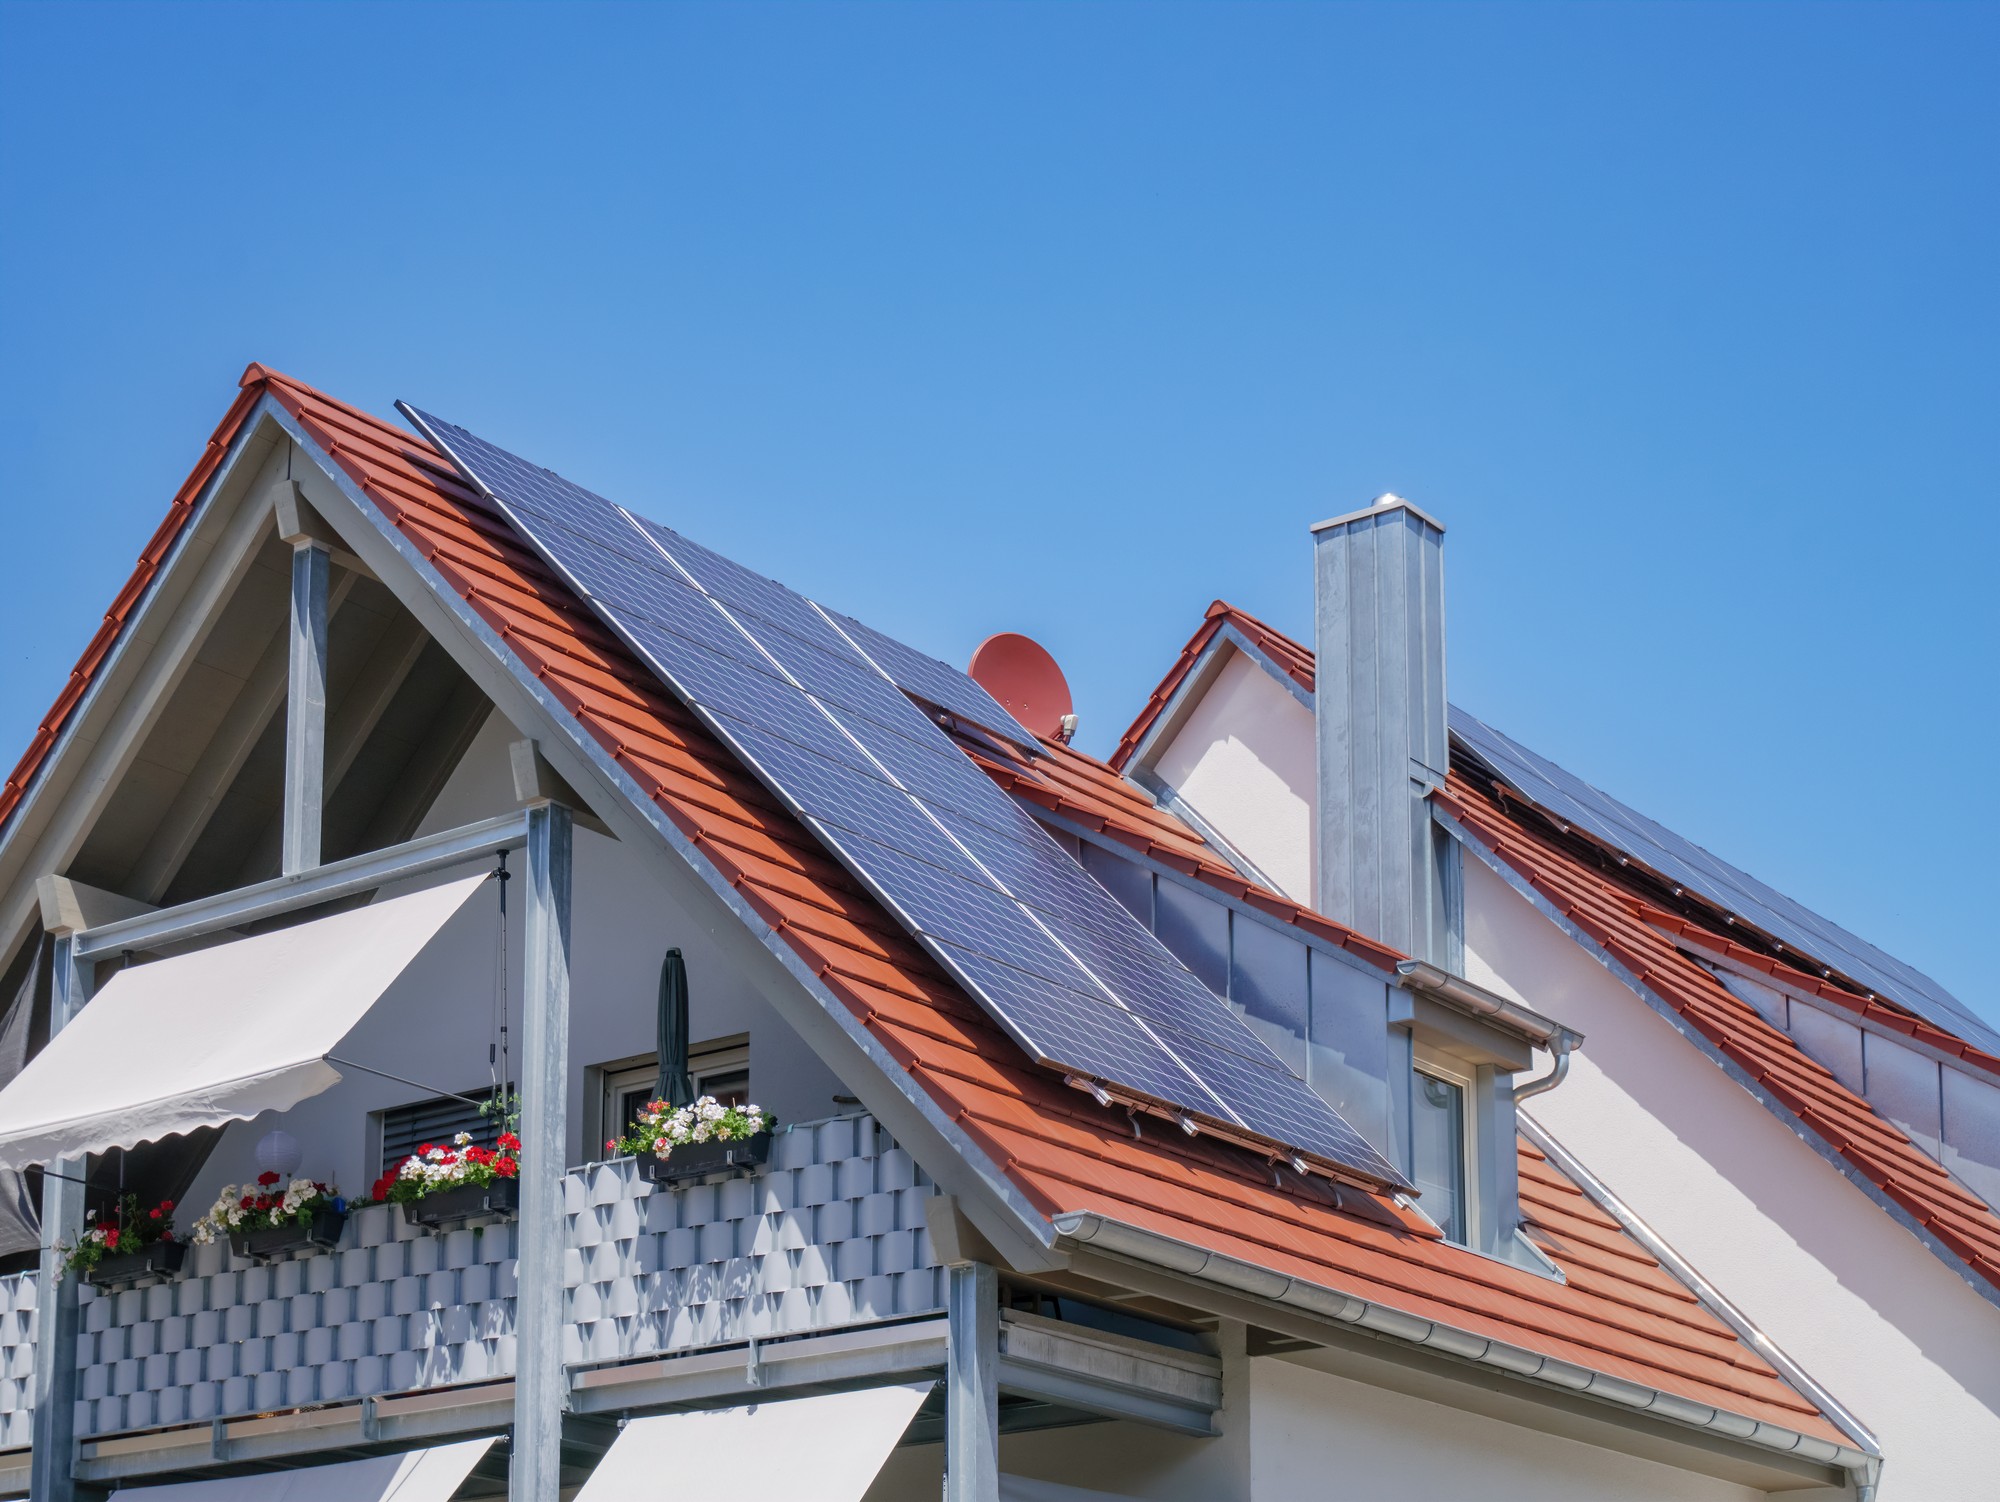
[1712,1298]
[1381,505]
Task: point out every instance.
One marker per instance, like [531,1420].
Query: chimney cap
[1386,501]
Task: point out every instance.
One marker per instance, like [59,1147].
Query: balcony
[829,1236]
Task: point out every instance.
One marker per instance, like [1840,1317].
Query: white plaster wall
[1244,761]
[1891,1331]
[1309,1435]
[434,1023]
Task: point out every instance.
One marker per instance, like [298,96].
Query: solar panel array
[1576,802]
[806,700]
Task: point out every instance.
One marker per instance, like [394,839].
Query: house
[1145,1129]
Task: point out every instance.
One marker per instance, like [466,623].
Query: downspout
[1562,1045]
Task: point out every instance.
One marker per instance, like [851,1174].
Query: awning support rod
[470,1100]
[284,894]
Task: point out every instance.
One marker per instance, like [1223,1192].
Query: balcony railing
[830,1234]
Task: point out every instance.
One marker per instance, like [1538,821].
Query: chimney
[1383,867]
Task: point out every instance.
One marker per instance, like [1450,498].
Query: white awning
[418,1476]
[823,1449]
[219,1035]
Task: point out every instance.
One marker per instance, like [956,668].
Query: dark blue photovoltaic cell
[819,708]
[1574,801]
[939,682]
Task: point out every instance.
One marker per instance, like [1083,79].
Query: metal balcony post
[305,707]
[972,1397]
[52,1460]
[541,1386]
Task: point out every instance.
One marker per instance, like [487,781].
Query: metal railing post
[541,1385]
[305,707]
[972,1397]
[52,1460]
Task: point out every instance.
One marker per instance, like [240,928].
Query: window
[720,1068]
[1439,1149]
[407,1128]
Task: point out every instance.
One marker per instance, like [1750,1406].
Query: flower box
[160,1260]
[500,1199]
[321,1233]
[694,1160]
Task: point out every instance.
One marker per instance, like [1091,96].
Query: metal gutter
[1170,1255]
[1462,995]
[1711,1297]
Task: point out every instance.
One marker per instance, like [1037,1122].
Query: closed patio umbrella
[675,1088]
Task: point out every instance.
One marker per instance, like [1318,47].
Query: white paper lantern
[278,1152]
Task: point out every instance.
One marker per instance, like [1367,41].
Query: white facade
[1242,759]
[1890,1331]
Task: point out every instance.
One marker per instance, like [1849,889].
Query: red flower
[427,1149]
[509,1143]
[111,1239]
[611,1144]
[156,1215]
[246,1203]
[506,1168]
[166,1207]
[267,1178]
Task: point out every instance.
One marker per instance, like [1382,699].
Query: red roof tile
[1636,931]
[1640,936]
[1287,655]
[1617,1313]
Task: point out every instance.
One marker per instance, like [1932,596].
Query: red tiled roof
[1287,655]
[1637,934]
[1812,985]
[1628,925]
[1618,1312]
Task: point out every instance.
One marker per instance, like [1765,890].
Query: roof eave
[1513,1365]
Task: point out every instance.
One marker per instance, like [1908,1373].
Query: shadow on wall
[1676,1083]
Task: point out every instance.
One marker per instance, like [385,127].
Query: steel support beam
[541,1384]
[284,894]
[972,1397]
[57,1313]
[305,707]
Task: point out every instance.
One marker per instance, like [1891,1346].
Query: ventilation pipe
[1383,867]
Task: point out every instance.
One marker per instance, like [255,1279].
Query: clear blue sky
[1068,319]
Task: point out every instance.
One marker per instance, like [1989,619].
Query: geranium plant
[661,1128]
[431,1169]
[130,1228]
[263,1206]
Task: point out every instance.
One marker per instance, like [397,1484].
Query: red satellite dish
[1018,671]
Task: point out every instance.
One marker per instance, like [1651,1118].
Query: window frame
[611,1082]
[1464,1077]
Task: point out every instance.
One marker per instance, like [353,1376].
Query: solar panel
[815,705]
[1574,801]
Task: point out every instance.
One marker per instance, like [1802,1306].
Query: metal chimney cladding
[815,704]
